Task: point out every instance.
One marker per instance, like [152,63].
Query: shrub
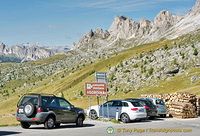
[150,71]
[135,66]
[81,93]
[195,52]
[116,89]
[175,61]
[141,55]
[62,95]
[126,71]
[92,72]
[165,47]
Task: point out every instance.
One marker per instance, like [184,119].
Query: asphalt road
[99,128]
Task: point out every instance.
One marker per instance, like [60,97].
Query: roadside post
[98,99]
[102,108]
[90,106]
[117,114]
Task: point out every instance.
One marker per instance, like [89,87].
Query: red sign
[95,89]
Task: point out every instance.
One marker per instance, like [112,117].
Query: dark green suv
[48,110]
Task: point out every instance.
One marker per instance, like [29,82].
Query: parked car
[160,104]
[127,110]
[149,106]
[48,110]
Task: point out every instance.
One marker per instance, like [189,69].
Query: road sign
[95,89]
[101,77]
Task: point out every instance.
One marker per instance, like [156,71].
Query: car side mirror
[72,106]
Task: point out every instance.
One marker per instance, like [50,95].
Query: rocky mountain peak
[90,34]
[123,27]
[98,31]
[196,9]
[144,22]
[163,17]
[122,17]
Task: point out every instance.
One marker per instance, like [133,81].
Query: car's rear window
[159,101]
[137,104]
[29,99]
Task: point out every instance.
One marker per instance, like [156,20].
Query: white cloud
[181,10]
[121,5]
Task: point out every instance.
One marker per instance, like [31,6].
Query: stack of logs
[180,104]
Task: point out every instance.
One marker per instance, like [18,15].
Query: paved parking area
[158,127]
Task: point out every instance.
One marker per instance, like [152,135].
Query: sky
[62,22]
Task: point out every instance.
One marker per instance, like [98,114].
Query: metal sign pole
[102,108]
[90,106]
[107,108]
[98,100]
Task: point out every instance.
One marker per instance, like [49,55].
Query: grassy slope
[74,83]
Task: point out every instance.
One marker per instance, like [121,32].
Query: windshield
[159,101]
[29,99]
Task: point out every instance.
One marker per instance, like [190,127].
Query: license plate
[141,110]
[21,111]
[153,112]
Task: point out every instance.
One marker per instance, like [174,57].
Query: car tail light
[18,118]
[134,109]
[34,119]
[39,110]
[157,106]
[146,107]
[17,110]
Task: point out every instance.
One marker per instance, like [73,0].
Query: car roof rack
[42,94]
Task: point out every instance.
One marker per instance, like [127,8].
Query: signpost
[99,89]
[102,77]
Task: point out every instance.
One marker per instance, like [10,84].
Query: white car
[127,110]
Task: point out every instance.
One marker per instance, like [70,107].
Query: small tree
[150,71]
[81,93]
[62,95]
[195,52]
[165,46]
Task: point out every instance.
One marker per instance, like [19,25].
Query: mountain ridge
[164,26]
[28,52]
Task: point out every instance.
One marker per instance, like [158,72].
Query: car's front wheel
[125,118]
[25,125]
[79,122]
[57,125]
[49,123]
[93,114]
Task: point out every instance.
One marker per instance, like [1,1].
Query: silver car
[160,104]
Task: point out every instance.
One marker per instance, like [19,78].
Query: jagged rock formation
[25,52]
[164,25]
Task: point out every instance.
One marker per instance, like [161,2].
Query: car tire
[79,121]
[25,125]
[57,125]
[163,115]
[125,118]
[49,123]
[93,114]
[152,117]
[29,109]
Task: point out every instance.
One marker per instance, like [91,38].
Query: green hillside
[70,82]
